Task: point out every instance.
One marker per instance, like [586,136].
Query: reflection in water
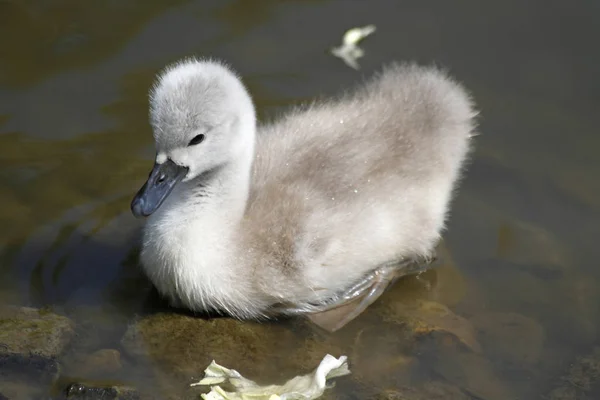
[74,190]
[521,257]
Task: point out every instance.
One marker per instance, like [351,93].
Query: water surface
[75,145]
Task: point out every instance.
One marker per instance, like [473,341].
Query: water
[75,146]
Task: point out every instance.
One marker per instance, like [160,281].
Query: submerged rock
[423,317]
[579,382]
[97,365]
[19,389]
[31,341]
[450,286]
[180,347]
[532,248]
[79,391]
[429,391]
[474,374]
[381,356]
[511,338]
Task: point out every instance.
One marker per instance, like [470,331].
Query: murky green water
[522,240]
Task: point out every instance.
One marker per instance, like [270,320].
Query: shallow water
[75,146]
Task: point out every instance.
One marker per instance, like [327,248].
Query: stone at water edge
[31,341]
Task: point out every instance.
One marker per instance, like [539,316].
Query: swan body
[242,218]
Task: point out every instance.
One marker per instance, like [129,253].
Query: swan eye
[196,140]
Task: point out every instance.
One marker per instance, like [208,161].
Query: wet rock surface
[179,347]
[422,317]
[80,391]
[31,341]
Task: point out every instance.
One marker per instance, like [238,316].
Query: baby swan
[312,213]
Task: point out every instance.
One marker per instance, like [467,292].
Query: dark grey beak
[157,188]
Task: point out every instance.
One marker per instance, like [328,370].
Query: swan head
[202,118]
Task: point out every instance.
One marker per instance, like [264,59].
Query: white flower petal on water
[355,35]
[304,387]
[349,50]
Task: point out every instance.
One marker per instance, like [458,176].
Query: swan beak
[157,188]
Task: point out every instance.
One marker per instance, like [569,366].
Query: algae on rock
[178,347]
[582,377]
[31,341]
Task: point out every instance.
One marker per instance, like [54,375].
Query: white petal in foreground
[305,387]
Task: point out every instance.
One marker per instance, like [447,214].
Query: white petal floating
[304,387]
[349,50]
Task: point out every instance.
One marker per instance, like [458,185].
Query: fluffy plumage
[299,209]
